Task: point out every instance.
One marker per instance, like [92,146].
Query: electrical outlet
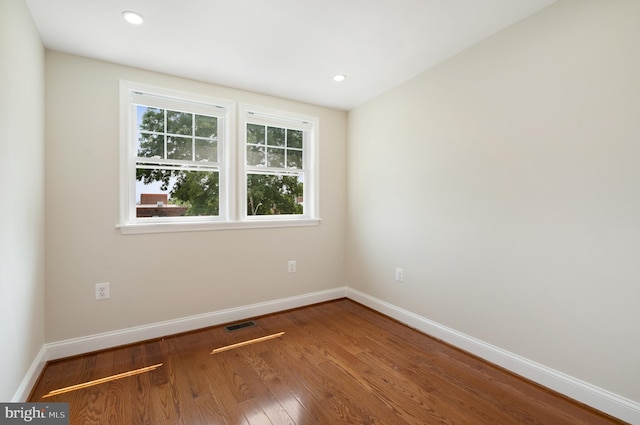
[291,266]
[103,291]
[399,274]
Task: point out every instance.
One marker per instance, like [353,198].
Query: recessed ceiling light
[133,17]
[339,77]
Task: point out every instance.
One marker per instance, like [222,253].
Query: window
[277,157]
[183,169]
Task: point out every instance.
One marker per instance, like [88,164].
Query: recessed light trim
[132,17]
[339,78]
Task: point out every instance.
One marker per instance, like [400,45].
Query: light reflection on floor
[289,407]
[102,380]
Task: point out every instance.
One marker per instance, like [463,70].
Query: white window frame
[270,117]
[231,158]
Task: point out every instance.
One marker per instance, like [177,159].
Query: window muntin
[167,134]
[184,169]
[177,156]
[175,165]
[276,166]
[274,147]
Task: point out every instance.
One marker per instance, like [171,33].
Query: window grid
[274,163]
[292,152]
[177,162]
[195,140]
[195,137]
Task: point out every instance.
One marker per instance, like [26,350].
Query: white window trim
[269,116]
[232,170]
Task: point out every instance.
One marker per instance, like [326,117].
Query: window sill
[138,228]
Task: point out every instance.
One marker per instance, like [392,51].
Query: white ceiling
[285,48]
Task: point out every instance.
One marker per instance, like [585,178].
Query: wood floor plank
[411,402]
[225,392]
[303,400]
[336,363]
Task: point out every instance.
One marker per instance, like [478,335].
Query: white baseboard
[86,344]
[31,377]
[593,396]
[576,389]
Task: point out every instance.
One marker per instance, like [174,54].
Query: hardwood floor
[336,363]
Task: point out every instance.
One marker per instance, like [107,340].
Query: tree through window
[182,164]
[275,170]
[177,155]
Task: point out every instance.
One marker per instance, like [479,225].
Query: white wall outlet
[291,266]
[103,291]
[399,274]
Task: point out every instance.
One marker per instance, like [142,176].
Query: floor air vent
[237,326]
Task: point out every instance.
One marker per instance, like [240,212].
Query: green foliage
[271,194]
[152,145]
[196,190]
[199,191]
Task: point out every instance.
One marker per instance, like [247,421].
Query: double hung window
[277,163]
[184,168]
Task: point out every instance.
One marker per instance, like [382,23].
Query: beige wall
[21,195]
[506,182]
[158,277]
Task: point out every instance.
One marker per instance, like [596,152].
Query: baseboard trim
[576,389]
[593,396]
[87,344]
[31,377]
